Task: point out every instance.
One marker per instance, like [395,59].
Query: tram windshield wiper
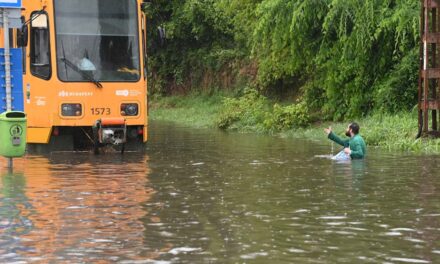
[84,74]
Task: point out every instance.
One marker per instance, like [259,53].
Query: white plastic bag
[341,156]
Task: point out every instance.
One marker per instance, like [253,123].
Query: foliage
[394,132]
[345,58]
[347,51]
[287,117]
[287,37]
[252,112]
[247,112]
[396,92]
[198,44]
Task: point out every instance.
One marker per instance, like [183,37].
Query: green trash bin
[12,134]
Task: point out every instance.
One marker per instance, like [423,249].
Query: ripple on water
[101,241]
[254,255]
[296,250]
[336,217]
[401,229]
[409,260]
[392,234]
[299,211]
[335,223]
[147,261]
[166,234]
[183,250]
[8,256]
[414,240]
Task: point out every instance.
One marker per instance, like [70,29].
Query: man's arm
[356,150]
[338,140]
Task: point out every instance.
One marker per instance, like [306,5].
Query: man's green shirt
[357,145]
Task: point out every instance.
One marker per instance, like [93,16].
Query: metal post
[426,65]
[434,65]
[10,163]
[422,74]
[7,67]
[7,60]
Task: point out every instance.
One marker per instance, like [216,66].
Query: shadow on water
[205,196]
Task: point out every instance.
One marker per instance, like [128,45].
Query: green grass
[391,132]
[193,110]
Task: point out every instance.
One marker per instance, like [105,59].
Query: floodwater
[204,196]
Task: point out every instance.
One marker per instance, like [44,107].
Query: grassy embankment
[198,111]
[391,132]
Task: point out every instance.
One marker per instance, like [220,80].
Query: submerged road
[204,196]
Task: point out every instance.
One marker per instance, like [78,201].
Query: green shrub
[246,112]
[287,117]
[252,111]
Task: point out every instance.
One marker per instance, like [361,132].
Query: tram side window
[40,46]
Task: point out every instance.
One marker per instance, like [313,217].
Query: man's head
[352,130]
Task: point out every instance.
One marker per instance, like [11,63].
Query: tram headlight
[71,110]
[129,109]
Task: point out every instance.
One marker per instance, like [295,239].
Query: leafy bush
[252,111]
[287,117]
[398,91]
[246,112]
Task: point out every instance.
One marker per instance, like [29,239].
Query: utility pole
[10,11]
[7,54]
[429,77]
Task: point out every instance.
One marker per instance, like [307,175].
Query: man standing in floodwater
[355,146]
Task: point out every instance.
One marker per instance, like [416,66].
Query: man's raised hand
[328,130]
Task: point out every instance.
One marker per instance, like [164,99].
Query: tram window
[99,38]
[40,46]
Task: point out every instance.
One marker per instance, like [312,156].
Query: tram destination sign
[10,3]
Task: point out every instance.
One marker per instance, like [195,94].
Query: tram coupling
[109,131]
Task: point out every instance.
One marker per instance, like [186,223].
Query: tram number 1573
[100,111]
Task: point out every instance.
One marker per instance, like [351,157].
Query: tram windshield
[97,39]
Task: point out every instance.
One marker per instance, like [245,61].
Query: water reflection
[204,196]
[81,210]
[15,211]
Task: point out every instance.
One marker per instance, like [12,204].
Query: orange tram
[84,72]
